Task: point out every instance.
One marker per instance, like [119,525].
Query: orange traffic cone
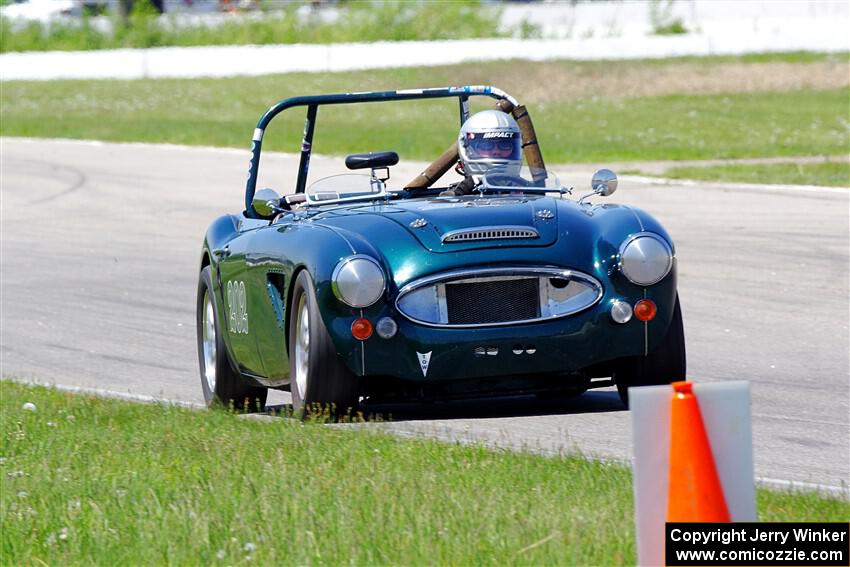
[695,493]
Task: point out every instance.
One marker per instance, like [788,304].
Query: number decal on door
[237,306]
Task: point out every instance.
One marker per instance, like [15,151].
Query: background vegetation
[104,482]
[361,21]
[828,173]
[573,123]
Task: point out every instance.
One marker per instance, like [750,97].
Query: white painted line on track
[126,396]
[842,492]
[176,147]
[631,178]
[799,419]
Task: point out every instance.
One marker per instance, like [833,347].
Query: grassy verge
[573,124]
[356,22]
[835,174]
[92,481]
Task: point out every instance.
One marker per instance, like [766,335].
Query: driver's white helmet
[488,140]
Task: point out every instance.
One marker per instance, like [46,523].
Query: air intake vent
[490,233]
[492,301]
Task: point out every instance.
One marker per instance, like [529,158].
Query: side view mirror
[604,182]
[266,202]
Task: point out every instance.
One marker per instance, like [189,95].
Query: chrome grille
[492,301]
[490,233]
[497,296]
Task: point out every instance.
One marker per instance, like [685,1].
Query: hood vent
[490,233]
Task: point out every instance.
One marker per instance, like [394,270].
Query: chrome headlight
[358,281]
[645,258]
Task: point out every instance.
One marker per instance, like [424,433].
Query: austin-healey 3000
[350,288]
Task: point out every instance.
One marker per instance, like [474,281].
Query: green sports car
[349,289]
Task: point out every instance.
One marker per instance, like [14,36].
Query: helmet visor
[493,145]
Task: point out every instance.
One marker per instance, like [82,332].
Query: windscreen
[533,179]
[343,187]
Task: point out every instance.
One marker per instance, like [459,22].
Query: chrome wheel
[302,346]
[208,341]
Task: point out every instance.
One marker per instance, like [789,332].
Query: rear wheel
[664,365]
[320,381]
[220,383]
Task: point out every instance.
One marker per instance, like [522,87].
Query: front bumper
[424,354]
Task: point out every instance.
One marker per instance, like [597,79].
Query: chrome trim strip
[441,301]
[362,352]
[338,233]
[645,332]
[489,233]
[508,271]
[543,294]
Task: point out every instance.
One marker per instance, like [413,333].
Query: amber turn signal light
[361,329]
[645,310]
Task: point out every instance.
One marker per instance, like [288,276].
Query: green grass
[360,21]
[828,174]
[673,28]
[222,112]
[94,481]
[800,57]
[663,22]
[682,127]
[771,57]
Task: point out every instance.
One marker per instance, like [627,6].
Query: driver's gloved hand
[464,187]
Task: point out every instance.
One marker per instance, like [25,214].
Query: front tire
[320,381]
[666,364]
[220,383]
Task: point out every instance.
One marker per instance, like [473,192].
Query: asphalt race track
[100,252]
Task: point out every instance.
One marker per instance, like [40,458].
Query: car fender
[663,293]
[222,230]
[287,248]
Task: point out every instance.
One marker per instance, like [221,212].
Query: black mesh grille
[496,301]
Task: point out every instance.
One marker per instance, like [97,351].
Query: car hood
[431,220]
[582,237]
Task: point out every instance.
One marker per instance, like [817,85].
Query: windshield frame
[374,183]
[313,102]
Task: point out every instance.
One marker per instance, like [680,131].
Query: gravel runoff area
[555,81]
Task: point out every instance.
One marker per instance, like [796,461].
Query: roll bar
[313,102]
